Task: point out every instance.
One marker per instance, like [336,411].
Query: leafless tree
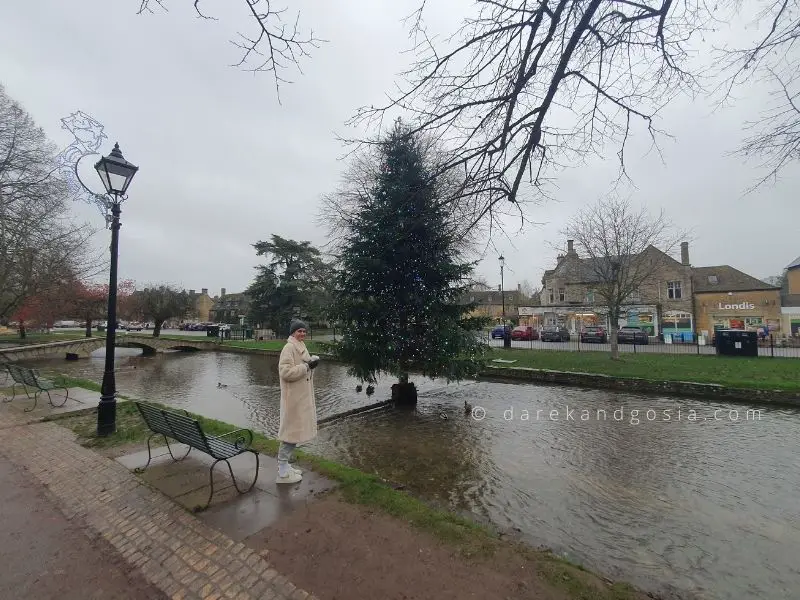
[528,289]
[40,245]
[527,87]
[274,46]
[159,303]
[621,250]
[773,60]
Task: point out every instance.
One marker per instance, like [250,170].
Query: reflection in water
[707,508]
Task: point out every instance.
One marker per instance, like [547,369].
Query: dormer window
[712,279]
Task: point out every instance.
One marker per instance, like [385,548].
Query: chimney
[685,253]
[222,293]
[570,246]
[204,291]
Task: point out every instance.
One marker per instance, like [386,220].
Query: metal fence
[768,347]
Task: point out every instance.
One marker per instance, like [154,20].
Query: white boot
[291,476]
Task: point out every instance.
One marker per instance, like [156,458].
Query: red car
[524,332]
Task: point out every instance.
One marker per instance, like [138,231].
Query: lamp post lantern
[116,173]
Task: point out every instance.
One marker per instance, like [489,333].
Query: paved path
[46,557]
[174,551]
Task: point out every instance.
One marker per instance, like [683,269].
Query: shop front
[750,311]
[575,318]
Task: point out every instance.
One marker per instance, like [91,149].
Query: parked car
[497,332]
[594,334]
[524,332]
[554,333]
[632,335]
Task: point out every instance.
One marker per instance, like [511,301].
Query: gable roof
[590,270]
[794,264]
[724,278]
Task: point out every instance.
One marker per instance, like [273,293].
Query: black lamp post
[116,174]
[506,334]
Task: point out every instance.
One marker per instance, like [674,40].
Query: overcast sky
[223,165]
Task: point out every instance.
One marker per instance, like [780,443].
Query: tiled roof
[794,264]
[724,278]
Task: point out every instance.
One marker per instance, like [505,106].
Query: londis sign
[740,306]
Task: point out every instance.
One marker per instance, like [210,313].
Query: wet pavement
[238,516]
[68,401]
[47,557]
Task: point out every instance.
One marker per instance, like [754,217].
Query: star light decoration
[88,137]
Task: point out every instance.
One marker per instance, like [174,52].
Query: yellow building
[726,298]
[201,306]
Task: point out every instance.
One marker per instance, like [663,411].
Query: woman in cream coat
[298,405]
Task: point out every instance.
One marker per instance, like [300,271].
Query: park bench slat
[31,378]
[185,429]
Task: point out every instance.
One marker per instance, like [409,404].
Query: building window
[562,294]
[590,296]
[712,279]
[674,290]
[552,298]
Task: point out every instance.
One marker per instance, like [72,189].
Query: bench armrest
[244,439]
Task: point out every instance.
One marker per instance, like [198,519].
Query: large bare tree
[621,249]
[41,246]
[527,87]
[773,60]
[273,46]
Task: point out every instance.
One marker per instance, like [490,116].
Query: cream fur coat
[298,405]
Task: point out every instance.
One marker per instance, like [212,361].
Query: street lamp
[116,173]
[506,335]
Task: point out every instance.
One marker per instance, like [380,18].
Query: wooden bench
[186,430]
[31,378]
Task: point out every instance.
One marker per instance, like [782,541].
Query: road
[46,557]
[574,346]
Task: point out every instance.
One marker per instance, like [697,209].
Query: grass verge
[735,372]
[471,539]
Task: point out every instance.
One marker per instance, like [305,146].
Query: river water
[690,500]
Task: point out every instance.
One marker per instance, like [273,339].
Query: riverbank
[741,379]
[401,546]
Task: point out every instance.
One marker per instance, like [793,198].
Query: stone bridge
[83,348]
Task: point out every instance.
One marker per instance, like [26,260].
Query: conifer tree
[401,281]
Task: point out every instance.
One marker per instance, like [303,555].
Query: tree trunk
[22,333]
[157,328]
[88,328]
[614,342]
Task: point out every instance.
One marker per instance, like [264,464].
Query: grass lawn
[357,487]
[44,338]
[744,372]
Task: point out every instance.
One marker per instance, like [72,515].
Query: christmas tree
[401,281]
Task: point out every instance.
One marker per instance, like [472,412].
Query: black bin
[736,342]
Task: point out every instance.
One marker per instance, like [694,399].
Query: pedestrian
[298,422]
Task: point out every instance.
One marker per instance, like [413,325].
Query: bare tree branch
[40,245]
[274,46]
[622,250]
[528,87]
[773,61]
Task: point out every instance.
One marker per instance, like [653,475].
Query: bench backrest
[175,425]
[23,375]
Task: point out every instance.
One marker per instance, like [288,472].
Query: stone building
[490,303]
[200,310]
[664,300]
[228,308]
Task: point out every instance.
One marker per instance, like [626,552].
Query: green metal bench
[186,430]
[31,378]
